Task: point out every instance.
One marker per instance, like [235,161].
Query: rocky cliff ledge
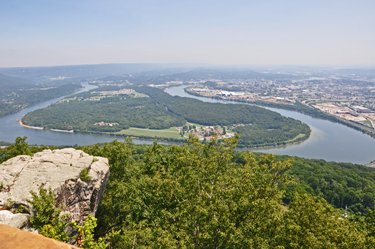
[59,170]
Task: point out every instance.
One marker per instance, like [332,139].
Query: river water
[10,130]
[329,141]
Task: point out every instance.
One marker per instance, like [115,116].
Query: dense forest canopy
[209,196]
[199,196]
[152,108]
[82,112]
[340,184]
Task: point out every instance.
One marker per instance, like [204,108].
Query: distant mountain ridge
[86,71]
[141,71]
[15,82]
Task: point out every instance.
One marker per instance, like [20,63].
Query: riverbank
[182,141]
[299,107]
[38,96]
[31,127]
[329,140]
[41,128]
[283,145]
[68,131]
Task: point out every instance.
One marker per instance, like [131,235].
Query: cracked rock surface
[59,170]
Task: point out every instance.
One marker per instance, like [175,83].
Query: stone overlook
[59,170]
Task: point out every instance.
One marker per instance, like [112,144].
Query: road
[357,125]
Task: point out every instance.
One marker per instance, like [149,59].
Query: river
[329,141]
[10,129]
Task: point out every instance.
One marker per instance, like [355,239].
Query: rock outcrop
[14,238]
[59,170]
[14,220]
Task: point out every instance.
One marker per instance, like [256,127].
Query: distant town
[347,96]
[332,95]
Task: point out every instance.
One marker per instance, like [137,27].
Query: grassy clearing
[166,133]
[295,138]
[367,123]
[172,132]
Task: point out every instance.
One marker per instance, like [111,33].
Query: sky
[236,32]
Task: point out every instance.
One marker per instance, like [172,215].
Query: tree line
[209,196]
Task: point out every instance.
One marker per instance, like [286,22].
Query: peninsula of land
[147,112]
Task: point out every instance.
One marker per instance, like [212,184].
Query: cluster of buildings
[105,124]
[119,92]
[167,84]
[234,95]
[209,131]
[347,97]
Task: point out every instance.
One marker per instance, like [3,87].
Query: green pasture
[166,133]
[295,138]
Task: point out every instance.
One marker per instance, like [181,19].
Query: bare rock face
[13,238]
[59,170]
[14,220]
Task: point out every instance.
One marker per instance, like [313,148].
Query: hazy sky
[55,32]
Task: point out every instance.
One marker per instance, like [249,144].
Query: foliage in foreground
[85,237]
[162,196]
[195,196]
[47,218]
[20,147]
[51,223]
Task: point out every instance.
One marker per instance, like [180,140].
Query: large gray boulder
[14,220]
[59,170]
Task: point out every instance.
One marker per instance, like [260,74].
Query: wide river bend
[329,141]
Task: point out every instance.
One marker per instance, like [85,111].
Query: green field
[197,125]
[172,132]
[367,123]
[294,139]
[167,133]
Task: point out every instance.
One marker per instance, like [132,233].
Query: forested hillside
[14,83]
[17,93]
[196,196]
[341,184]
[82,114]
[152,108]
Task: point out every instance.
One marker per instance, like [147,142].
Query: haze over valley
[187,124]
